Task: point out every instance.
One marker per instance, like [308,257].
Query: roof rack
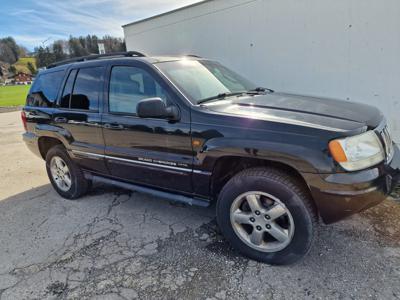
[97,56]
[192,55]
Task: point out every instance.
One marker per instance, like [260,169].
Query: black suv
[190,130]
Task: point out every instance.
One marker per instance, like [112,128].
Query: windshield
[203,79]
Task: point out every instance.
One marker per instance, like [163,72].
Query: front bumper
[340,195]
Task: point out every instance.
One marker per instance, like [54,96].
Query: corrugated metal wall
[347,49]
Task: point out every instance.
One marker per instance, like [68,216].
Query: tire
[288,233]
[78,184]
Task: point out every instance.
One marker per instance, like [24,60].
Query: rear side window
[66,95]
[87,89]
[44,91]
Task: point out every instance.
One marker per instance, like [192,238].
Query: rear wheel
[65,176]
[267,215]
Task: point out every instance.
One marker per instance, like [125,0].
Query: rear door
[79,114]
[149,151]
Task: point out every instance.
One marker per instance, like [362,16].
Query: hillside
[22,64]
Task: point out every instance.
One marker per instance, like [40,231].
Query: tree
[6,53]
[22,51]
[12,69]
[76,49]
[44,57]
[113,44]
[31,68]
[58,50]
[9,50]
[91,44]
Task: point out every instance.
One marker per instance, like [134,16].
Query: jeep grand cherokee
[188,129]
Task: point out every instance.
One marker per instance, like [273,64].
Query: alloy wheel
[60,173]
[262,221]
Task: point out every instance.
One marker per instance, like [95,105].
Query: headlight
[357,152]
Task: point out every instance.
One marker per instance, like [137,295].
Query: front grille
[387,143]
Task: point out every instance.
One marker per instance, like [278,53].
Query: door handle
[113,126]
[60,120]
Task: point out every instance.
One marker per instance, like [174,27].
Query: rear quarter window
[44,90]
[87,89]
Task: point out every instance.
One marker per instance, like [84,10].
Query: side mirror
[156,108]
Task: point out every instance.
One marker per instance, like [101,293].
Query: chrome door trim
[138,162]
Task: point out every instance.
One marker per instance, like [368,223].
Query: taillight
[23,117]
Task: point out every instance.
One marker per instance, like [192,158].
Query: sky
[39,22]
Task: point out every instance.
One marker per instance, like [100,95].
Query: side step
[134,187]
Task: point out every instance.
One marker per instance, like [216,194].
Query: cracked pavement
[115,244]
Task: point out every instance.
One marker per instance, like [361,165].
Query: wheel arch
[45,143]
[236,164]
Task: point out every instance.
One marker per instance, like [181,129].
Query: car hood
[323,113]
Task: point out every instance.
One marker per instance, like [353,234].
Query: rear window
[82,89]
[87,89]
[44,90]
[67,92]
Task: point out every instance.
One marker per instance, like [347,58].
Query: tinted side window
[129,85]
[87,89]
[45,89]
[66,95]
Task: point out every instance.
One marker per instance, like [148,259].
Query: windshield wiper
[258,90]
[220,96]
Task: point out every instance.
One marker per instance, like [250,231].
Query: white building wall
[347,49]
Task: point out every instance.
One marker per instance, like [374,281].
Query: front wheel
[267,215]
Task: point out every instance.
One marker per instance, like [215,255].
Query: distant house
[22,78]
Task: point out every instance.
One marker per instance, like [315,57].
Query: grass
[13,95]
[22,64]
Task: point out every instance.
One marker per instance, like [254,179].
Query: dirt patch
[385,220]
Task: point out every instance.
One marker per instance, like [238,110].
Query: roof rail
[96,56]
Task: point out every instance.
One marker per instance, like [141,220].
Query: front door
[148,151]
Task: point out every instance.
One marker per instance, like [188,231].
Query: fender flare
[50,131]
[299,157]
